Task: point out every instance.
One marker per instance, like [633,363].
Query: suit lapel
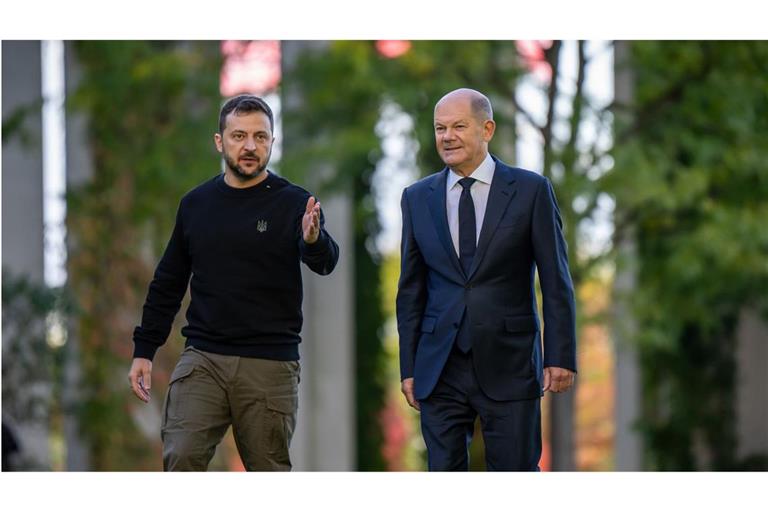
[502,191]
[436,203]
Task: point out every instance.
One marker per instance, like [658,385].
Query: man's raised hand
[310,223]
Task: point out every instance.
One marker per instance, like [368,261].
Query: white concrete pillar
[751,385]
[627,443]
[325,433]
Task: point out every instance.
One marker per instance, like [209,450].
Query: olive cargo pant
[208,392]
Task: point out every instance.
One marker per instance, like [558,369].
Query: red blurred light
[392,49]
[250,67]
[532,53]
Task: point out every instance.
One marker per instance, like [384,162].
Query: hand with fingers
[557,379]
[310,223]
[407,388]
[140,378]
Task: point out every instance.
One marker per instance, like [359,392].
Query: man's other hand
[140,377]
[407,388]
[557,379]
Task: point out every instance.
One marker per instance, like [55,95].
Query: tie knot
[466,183]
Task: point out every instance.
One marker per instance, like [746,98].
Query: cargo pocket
[281,418]
[173,398]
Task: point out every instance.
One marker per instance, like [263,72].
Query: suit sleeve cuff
[561,364]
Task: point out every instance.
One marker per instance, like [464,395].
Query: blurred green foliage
[30,367]
[691,182]
[150,107]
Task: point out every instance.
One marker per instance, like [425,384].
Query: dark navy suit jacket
[521,231]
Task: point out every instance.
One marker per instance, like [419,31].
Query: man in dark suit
[470,342]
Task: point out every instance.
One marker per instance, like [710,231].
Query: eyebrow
[440,123]
[260,132]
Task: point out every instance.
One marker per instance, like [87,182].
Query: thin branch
[527,115]
[577,104]
[500,84]
[552,56]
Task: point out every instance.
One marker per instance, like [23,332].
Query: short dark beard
[237,171]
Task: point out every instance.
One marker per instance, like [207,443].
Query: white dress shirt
[479,191]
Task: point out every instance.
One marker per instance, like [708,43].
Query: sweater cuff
[144,350]
[319,247]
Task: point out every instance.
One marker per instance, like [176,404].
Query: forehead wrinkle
[239,119]
[450,121]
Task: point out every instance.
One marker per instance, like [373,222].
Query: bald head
[479,103]
[463,128]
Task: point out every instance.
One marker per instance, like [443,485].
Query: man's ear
[489,128]
[217,140]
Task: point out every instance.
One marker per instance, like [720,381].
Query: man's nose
[250,143]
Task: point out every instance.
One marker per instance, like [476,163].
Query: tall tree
[573,161]
[692,178]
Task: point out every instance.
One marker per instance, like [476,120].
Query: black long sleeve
[321,257]
[166,292]
[242,249]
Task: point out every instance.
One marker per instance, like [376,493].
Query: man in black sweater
[241,237]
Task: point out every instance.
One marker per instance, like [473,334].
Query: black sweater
[242,248]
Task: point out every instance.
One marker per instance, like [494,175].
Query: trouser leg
[512,434]
[264,409]
[196,414]
[447,419]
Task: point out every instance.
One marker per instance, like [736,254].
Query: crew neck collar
[265,184]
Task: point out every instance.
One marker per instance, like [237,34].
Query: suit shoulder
[527,176]
[522,176]
[425,183]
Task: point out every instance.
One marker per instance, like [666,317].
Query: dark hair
[245,103]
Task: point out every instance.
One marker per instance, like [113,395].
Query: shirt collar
[484,173]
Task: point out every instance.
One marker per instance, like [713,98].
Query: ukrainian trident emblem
[261,226]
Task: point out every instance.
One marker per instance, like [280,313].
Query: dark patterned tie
[467,241]
[467,225]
